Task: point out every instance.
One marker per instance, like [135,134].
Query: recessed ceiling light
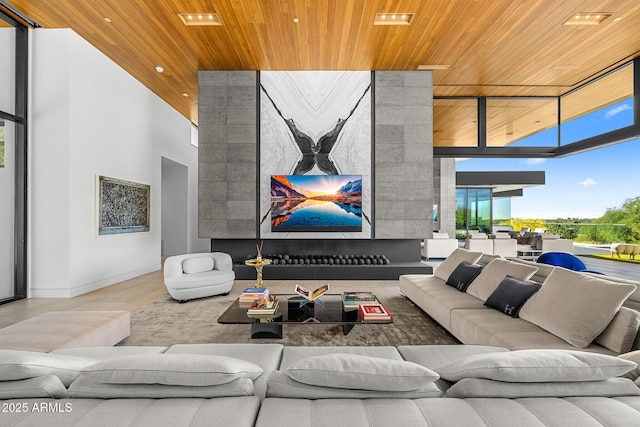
[107,19]
[433,67]
[393,18]
[159,69]
[587,18]
[296,20]
[185,94]
[200,19]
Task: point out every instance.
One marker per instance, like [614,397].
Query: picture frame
[122,207]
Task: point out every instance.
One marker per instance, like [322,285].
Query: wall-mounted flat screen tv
[316,203]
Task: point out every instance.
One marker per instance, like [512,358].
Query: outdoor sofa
[270,385]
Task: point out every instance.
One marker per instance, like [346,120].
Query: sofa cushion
[46,386]
[621,332]
[171,369]
[537,366]
[574,306]
[479,387]
[198,264]
[85,388]
[280,384]
[511,294]
[463,275]
[355,371]
[19,365]
[491,276]
[444,270]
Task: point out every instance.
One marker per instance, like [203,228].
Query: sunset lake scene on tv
[316,203]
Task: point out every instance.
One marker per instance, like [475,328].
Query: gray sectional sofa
[271,385]
[571,310]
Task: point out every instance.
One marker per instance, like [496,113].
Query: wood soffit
[493,47]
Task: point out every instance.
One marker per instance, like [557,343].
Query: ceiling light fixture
[393,19]
[587,18]
[185,94]
[159,69]
[107,20]
[296,20]
[433,67]
[200,19]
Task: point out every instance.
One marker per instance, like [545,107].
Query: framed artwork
[122,206]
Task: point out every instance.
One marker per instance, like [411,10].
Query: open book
[311,295]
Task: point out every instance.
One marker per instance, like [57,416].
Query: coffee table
[296,310]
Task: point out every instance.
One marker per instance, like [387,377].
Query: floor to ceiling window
[473,210]
[13,95]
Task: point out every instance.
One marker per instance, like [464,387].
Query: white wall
[7,100]
[174,208]
[88,117]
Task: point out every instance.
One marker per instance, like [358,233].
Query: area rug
[165,322]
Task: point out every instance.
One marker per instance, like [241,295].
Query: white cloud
[588,182]
[614,111]
[534,161]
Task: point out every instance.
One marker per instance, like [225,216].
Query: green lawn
[625,258]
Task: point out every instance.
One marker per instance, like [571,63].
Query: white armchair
[478,242]
[504,245]
[198,275]
[440,246]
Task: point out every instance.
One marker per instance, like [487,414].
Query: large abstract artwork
[122,206]
[315,123]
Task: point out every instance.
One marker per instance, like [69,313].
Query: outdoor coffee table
[296,310]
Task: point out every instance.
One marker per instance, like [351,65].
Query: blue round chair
[564,259]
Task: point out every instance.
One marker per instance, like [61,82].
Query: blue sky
[582,185]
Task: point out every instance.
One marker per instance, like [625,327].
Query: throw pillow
[463,275]
[574,306]
[171,369]
[199,264]
[532,366]
[46,386]
[491,276]
[445,269]
[478,387]
[279,384]
[20,365]
[354,371]
[633,356]
[511,294]
[88,389]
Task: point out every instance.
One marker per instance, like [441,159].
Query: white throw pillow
[354,371]
[20,365]
[87,389]
[198,264]
[574,306]
[526,366]
[490,277]
[478,387]
[444,270]
[171,369]
[633,356]
[46,386]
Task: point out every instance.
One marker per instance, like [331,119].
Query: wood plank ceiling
[493,47]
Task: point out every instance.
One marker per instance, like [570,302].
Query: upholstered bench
[63,329]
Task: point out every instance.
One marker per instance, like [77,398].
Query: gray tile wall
[227,154]
[403,154]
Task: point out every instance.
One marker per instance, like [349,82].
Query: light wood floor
[128,295]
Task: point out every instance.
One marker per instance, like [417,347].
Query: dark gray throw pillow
[463,275]
[511,294]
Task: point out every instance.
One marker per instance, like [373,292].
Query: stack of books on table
[374,313]
[250,295]
[265,307]
[351,300]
